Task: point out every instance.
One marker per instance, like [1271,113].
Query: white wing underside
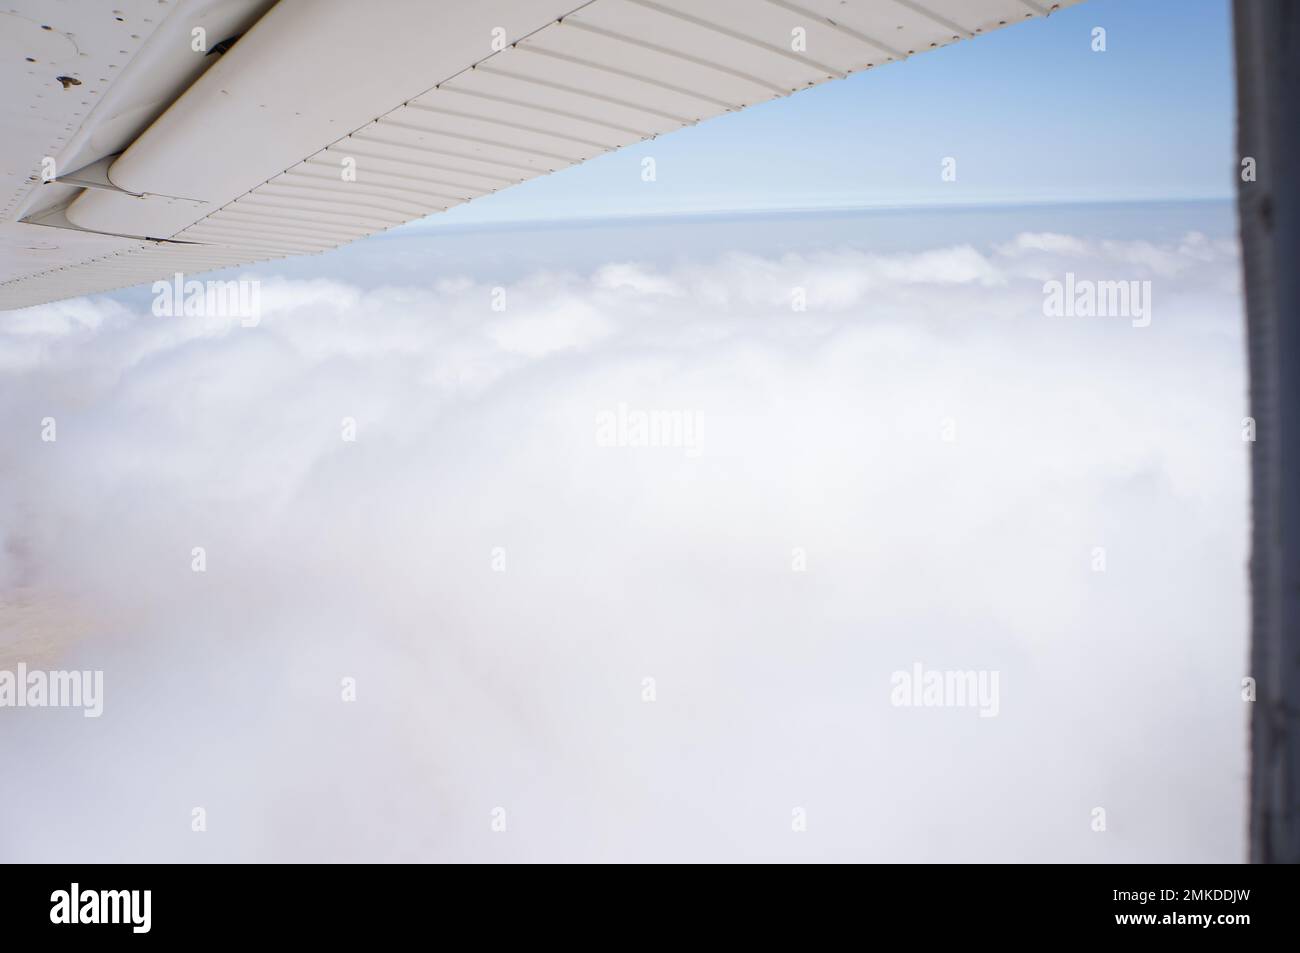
[169,159]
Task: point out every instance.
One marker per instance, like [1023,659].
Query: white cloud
[822,430]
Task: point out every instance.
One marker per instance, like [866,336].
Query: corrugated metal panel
[609,74]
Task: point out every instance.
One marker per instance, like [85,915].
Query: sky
[1030,113]
[418,472]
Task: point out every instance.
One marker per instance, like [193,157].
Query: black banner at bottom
[138,904]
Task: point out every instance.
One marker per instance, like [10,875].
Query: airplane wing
[149,137]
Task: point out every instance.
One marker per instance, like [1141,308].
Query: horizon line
[432,224]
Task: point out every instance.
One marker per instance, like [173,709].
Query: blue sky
[1030,112]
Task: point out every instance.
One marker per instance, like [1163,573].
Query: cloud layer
[943,459]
